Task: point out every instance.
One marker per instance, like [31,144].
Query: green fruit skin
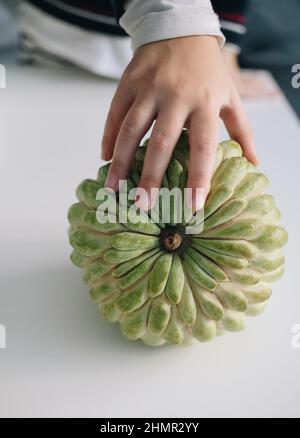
[204,329]
[95,270]
[228,211]
[234,248]
[198,275]
[128,265]
[137,273]
[89,244]
[187,306]
[134,324]
[216,199]
[230,173]
[175,281]
[159,316]
[174,332]
[114,256]
[234,321]
[222,275]
[232,297]
[87,193]
[133,299]
[207,265]
[131,241]
[209,303]
[159,275]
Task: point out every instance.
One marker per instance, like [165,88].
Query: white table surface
[61,358]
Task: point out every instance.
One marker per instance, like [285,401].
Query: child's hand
[179,82]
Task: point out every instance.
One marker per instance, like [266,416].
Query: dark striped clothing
[232,18]
[87,33]
[103,15]
[95,15]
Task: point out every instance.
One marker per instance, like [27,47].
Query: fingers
[239,129]
[119,107]
[135,125]
[204,132]
[164,137]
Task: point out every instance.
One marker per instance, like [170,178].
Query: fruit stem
[173,241]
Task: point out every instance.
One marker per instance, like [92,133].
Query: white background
[61,358]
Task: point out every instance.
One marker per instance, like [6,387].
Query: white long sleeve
[154,20]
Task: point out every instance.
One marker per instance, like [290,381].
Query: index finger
[203,135]
[163,139]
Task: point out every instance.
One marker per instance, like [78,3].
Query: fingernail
[111,182]
[153,196]
[195,199]
[104,155]
[142,200]
[198,201]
